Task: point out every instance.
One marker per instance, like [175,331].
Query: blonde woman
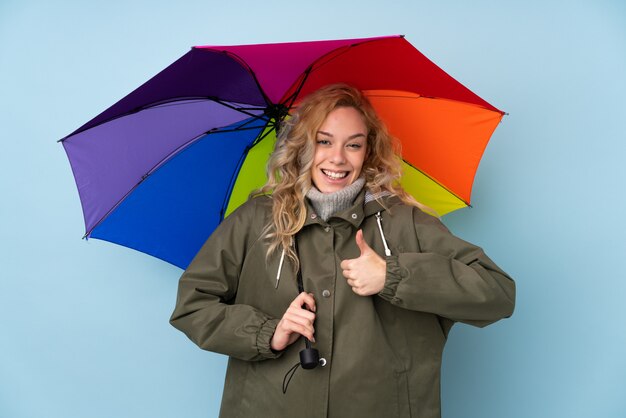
[383,280]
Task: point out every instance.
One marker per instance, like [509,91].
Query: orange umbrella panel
[442,139]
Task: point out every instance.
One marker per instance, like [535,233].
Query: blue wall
[84,325]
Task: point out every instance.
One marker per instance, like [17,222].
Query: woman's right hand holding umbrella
[297,320]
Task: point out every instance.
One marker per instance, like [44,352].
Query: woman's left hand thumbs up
[365,274]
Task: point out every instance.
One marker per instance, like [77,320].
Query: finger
[304,299]
[305,330]
[300,313]
[360,242]
[347,264]
[352,282]
[296,323]
[309,302]
[357,290]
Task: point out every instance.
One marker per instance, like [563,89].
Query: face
[340,150]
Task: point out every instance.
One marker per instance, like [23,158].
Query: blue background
[84,325]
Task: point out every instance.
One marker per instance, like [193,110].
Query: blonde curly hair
[289,166]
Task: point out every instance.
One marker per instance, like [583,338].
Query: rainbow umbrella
[161,168]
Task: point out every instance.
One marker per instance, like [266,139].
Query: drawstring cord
[280,267]
[382,235]
[288,376]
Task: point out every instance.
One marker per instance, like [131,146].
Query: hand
[366,274]
[295,322]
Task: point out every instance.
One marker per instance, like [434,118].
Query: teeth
[335,175]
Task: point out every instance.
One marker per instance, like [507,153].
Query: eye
[355,146]
[323,141]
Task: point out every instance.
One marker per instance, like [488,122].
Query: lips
[335,175]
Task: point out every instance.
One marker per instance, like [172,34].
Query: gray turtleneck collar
[327,204]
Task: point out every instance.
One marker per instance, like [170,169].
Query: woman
[384,281]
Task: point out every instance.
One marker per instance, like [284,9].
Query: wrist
[265,337]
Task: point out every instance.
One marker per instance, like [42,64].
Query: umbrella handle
[309,357]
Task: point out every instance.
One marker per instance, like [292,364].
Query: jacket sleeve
[448,277]
[205,310]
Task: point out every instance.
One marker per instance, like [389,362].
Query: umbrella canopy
[161,168]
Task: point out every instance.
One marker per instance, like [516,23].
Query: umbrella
[162,167]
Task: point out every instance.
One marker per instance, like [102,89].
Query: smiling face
[340,149]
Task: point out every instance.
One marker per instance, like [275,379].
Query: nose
[338,155]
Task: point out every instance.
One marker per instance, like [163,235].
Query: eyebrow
[359,135]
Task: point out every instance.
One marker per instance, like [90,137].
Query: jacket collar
[354,214]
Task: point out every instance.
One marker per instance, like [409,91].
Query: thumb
[360,242]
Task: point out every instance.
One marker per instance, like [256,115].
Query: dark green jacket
[383,352]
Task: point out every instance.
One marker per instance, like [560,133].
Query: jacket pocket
[404,402]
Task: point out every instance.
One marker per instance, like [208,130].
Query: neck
[327,204]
